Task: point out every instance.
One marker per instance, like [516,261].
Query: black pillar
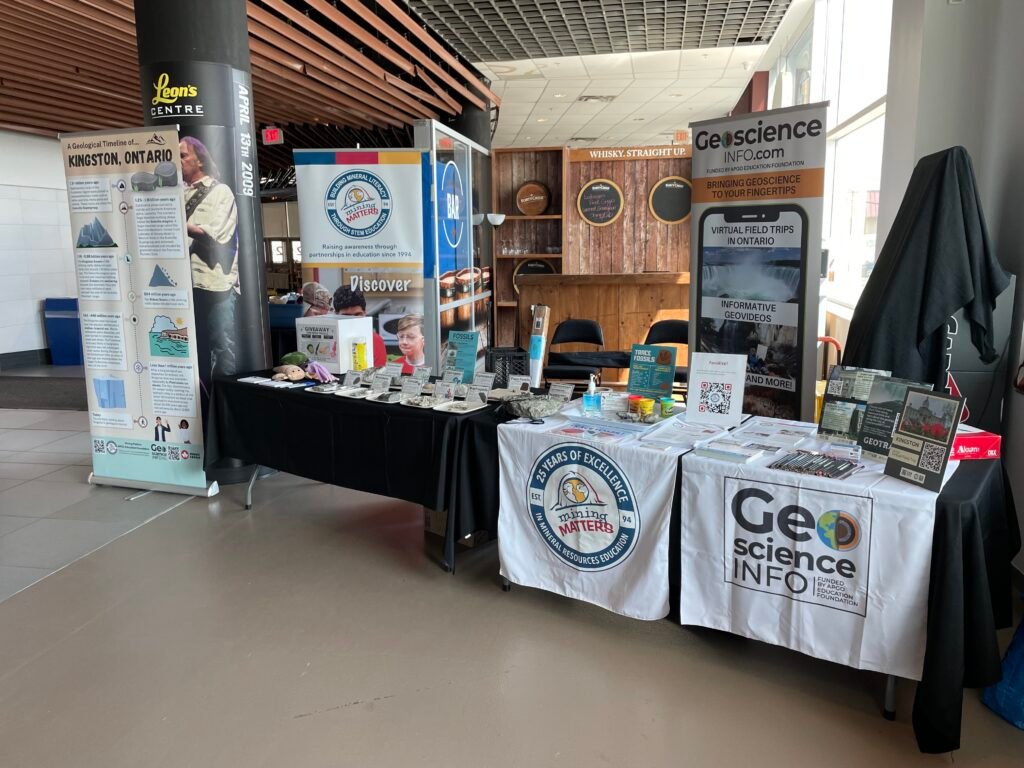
[194,70]
[473,123]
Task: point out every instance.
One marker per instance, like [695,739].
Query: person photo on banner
[318,298]
[411,342]
[160,431]
[352,303]
[212,223]
[184,432]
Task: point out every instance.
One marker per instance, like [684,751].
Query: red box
[973,443]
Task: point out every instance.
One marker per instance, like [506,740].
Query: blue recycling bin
[63,332]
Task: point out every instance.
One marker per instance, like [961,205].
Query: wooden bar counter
[626,306]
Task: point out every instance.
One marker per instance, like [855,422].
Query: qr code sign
[835,387]
[174,454]
[98,446]
[931,457]
[715,397]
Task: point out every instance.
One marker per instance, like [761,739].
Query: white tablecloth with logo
[835,569]
[586,520]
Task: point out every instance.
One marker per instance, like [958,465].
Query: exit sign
[272,135]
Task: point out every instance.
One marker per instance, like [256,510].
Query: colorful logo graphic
[452,205]
[358,204]
[583,507]
[838,530]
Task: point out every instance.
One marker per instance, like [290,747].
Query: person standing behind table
[212,222]
[352,303]
[411,342]
[160,431]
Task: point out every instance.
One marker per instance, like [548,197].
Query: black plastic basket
[507,361]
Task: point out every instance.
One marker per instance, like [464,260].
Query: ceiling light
[559,95]
[543,119]
[638,119]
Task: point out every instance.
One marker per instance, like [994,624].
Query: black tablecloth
[976,536]
[406,453]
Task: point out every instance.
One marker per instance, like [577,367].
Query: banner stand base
[211,489]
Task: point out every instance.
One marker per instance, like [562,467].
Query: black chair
[568,366]
[671,332]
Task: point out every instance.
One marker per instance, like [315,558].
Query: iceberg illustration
[94,235]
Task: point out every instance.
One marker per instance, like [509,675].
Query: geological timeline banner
[758,181]
[135,300]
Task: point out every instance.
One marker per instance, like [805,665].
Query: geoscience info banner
[758,181]
[135,303]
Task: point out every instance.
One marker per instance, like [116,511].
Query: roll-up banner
[758,181]
[136,305]
[364,224]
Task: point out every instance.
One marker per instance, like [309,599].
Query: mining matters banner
[136,307]
[758,182]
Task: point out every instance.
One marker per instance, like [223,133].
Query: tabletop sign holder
[600,202]
[538,342]
[923,438]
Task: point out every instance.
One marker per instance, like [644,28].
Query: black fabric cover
[937,259]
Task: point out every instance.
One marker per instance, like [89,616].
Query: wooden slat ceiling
[329,69]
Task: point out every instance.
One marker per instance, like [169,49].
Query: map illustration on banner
[757,183]
[137,317]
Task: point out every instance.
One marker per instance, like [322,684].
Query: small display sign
[652,370]
[600,202]
[273,135]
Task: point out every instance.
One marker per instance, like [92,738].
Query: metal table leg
[506,585]
[889,708]
[252,483]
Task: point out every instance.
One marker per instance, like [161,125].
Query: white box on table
[332,341]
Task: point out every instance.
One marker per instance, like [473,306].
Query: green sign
[461,354]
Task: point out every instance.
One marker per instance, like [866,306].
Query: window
[297,251]
[277,251]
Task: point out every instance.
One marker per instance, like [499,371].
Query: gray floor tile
[110,508]
[17,419]
[23,471]
[77,421]
[50,543]
[72,474]
[13,579]
[36,498]
[41,457]
[73,443]
[33,439]
[9,523]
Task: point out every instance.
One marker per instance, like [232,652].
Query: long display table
[945,612]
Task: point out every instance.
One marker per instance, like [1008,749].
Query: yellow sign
[165,93]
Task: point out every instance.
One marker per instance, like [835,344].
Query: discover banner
[758,181]
[136,306]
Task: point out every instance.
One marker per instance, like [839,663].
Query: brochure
[924,437]
[883,410]
[579,431]
[652,370]
[716,385]
[845,403]
[728,450]
[682,434]
[464,344]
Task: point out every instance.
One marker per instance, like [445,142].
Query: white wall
[36,257]
[954,78]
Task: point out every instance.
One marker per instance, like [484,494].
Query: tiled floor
[49,515]
[314,631]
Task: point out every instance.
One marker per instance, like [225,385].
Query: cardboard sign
[421,373]
[924,438]
[563,392]
[715,392]
[381,382]
[522,383]
[485,380]
[464,344]
[412,387]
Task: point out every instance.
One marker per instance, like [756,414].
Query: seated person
[411,342]
[353,304]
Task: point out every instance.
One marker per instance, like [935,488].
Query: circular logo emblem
[839,530]
[583,507]
[111,447]
[185,454]
[358,204]
[452,205]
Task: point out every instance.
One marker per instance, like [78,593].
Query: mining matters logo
[358,204]
[806,545]
[583,507]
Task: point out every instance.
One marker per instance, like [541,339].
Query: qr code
[174,454]
[931,457]
[835,387]
[715,397]
[98,446]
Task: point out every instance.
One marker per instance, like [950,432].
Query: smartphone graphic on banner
[750,290]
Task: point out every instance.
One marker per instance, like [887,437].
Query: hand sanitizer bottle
[591,399]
